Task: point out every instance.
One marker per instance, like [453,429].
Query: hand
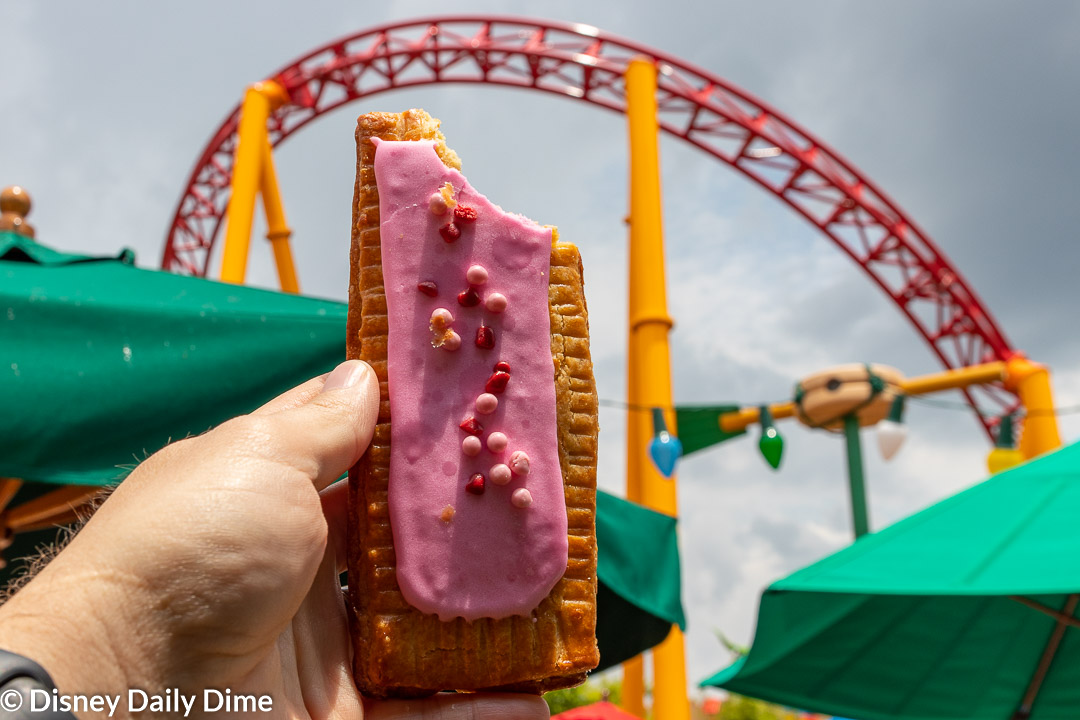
[215,565]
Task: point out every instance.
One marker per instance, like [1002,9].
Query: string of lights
[919,399]
[619,404]
[666,448]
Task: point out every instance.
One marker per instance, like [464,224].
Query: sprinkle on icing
[468,298]
[500,474]
[476,275]
[450,232]
[476,484]
[485,337]
[472,426]
[519,463]
[521,498]
[471,446]
[497,382]
[502,366]
[496,302]
[442,200]
[464,214]
[447,514]
[437,204]
[451,341]
[497,442]
[441,334]
[441,318]
[486,404]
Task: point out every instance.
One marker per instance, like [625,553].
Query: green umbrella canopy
[104,363]
[947,614]
[639,598]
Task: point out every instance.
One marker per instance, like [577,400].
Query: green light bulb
[770,443]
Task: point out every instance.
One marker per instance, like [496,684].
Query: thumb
[325,436]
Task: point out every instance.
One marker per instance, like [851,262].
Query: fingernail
[345,375]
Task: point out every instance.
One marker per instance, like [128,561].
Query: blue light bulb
[665,450]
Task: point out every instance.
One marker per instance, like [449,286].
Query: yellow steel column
[1031,382]
[259,100]
[633,686]
[277,230]
[649,362]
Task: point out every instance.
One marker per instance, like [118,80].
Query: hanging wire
[684,408]
[964,407]
[922,400]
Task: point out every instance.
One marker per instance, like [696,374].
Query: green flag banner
[698,426]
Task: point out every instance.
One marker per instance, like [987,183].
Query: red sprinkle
[469,298]
[428,288]
[485,337]
[450,232]
[502,366]
[472,426]
[465,213]
[476,484]
[497,382]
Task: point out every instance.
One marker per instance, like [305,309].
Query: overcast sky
[965,113]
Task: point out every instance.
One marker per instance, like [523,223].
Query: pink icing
[498,557]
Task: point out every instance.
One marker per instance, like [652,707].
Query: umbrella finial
[14,207]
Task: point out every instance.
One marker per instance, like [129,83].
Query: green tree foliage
[737,707]
[592,691]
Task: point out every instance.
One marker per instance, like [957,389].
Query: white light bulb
[890,436]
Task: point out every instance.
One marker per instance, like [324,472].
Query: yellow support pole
[277,230]
[259,101]
[1031,382]
[649,361]
[633,686]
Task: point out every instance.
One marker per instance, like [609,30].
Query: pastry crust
[397,650]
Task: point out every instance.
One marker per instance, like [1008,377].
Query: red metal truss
[703,109]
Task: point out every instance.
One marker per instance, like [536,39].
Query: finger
[321,645]
[295,397]
[335,504]
[327,435]
[454,706]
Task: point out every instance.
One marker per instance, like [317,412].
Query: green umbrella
[105,363]
[639,598]
[964,610]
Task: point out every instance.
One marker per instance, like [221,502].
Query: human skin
[215,565]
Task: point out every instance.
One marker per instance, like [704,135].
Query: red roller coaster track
[704,110]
